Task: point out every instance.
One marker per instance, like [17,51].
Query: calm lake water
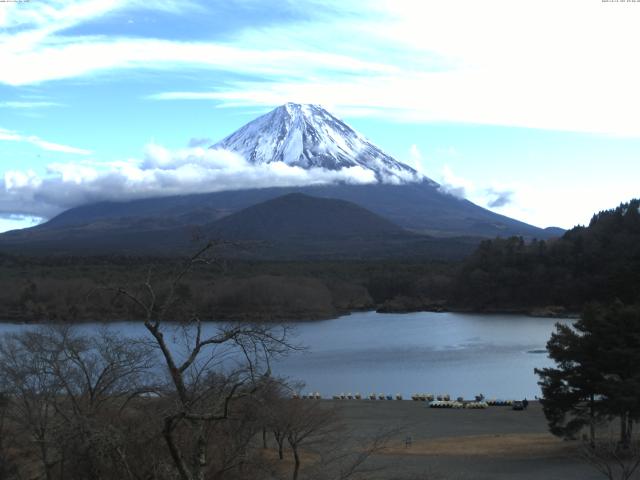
[459,354]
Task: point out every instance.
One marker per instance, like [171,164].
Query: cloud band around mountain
[162,172]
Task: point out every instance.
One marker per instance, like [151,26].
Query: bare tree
[308,423]
[8,466]
[32,392]
[67,391]
[272,406]
[269,405]
[99,375]
[612,459]
[350,457]
[210,371]
[314,428]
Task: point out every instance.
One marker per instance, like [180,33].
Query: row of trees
[186,401]
[67,294]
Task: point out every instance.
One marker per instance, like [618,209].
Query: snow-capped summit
[308,136]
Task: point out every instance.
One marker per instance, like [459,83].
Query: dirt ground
[492,444]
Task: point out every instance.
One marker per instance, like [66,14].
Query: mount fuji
[308,136]
[302,136]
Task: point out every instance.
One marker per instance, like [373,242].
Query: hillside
[290,227]
[416,206]
[298,226]
[599,262]
[297,215]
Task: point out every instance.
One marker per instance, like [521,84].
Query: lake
[459,354]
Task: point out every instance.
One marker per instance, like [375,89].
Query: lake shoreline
[539,312]
[535,312]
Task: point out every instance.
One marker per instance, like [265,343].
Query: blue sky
[529,108]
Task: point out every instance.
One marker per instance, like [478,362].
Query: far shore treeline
[599,262]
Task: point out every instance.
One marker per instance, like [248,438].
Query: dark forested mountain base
[294,226]
[166,225]
[600,262]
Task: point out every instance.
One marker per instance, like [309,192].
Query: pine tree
[570,390]
[617,330]
[597,373]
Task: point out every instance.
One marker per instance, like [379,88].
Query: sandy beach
[491,444]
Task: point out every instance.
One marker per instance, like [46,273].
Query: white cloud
[462,97]
[160,173]
[59,59]
[499,62]
[21,105]
[495,62]
[48,16]
[563,205]
[37,56]
[12,136]
[454,185]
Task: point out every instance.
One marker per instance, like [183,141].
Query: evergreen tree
[617,330]
[570,390]
[597,373]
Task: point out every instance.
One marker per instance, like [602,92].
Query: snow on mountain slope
[308,136]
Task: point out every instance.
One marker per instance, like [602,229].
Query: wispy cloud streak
[12,136]
[28,105]
[467,61]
